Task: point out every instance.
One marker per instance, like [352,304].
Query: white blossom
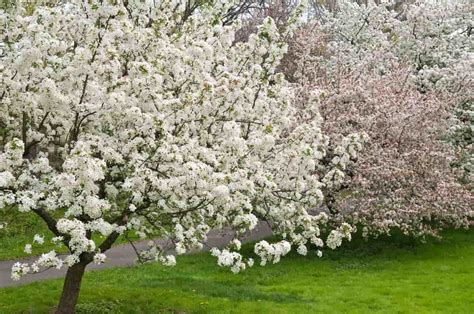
[99,258]
[38,239]
[302,249]
[168,260]
[27,249]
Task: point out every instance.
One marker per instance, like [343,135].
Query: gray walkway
[123,255]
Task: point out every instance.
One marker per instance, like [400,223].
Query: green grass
[385,275]
[19,231]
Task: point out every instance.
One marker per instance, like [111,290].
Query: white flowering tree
[122,116]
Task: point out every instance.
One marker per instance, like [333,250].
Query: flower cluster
[335,237]
[272,252]
[19,270]
[234,260]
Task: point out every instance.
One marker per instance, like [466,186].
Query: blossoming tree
[121,116]
[398,76]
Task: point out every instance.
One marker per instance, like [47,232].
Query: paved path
[124,255]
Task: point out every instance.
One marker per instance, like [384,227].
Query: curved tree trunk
[72,285]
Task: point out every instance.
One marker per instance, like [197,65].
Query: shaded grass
[20,230]
[387,275]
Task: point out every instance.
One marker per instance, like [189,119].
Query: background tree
[400,79]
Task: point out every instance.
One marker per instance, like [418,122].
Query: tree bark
[72,285]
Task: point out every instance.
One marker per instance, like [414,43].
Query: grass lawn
[385,275]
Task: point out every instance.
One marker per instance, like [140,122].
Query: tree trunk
[72,285]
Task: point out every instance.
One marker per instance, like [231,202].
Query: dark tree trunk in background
[72,285]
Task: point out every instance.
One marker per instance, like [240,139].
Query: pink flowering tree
[121,116]
[399,77]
